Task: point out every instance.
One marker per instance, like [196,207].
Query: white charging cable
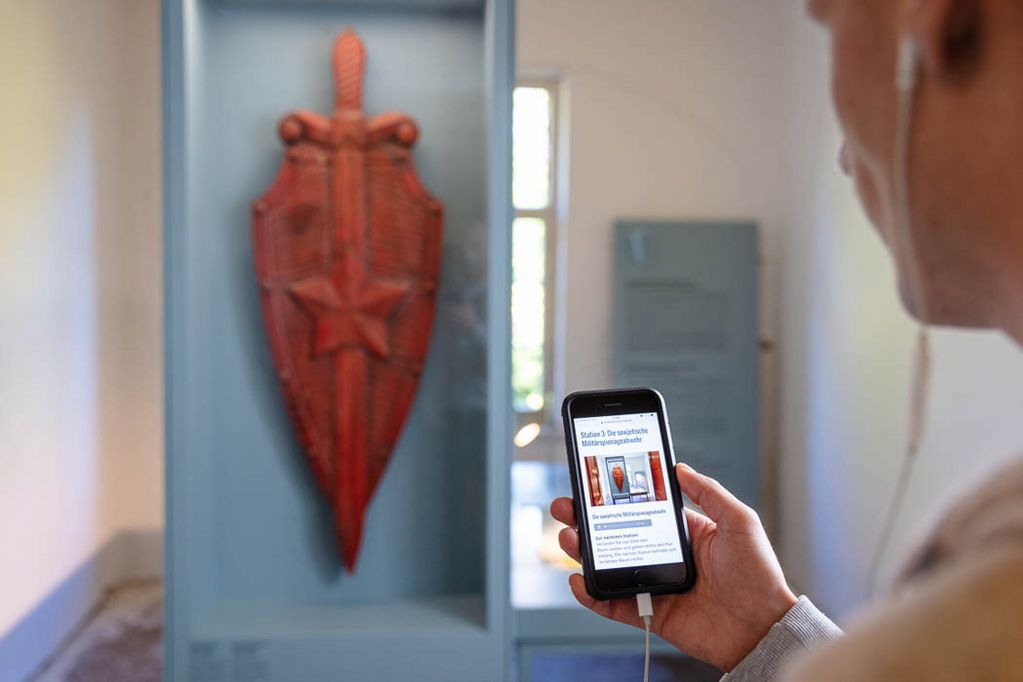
[646,610]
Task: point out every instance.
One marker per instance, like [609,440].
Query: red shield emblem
[347,248]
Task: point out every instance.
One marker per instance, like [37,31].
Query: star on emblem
[349,308]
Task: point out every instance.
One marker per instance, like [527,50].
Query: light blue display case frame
[291,617]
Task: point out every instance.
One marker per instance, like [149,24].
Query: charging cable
[646,611]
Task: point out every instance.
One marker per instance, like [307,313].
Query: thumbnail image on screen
[625,479]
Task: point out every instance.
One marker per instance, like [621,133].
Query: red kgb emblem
[347,248]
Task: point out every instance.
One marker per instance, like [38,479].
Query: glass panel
[531,157]
[529,244]
[441,457]
[539,568]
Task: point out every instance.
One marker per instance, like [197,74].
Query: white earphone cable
[907,257]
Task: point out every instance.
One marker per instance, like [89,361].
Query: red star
[349,309]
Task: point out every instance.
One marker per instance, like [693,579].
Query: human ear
[948,36]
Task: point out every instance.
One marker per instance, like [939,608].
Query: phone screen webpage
[626,492]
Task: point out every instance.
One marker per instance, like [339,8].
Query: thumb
[721,506]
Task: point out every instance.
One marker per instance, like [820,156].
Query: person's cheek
[856,157]
[866,189]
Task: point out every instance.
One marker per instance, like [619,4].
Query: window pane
[531,155]
[529,245]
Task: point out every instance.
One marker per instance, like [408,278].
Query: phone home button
[641,577]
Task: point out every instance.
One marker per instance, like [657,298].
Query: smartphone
[632,524]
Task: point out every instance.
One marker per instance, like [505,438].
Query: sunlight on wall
[48,306]
[68,211]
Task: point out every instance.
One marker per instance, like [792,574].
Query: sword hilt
[349,66]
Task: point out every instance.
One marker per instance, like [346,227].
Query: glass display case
[254,578]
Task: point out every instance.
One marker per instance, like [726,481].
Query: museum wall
[80,302]
[667,104]
[668,112]
[845,345]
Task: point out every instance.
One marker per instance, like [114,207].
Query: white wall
[668,108]
[665,106]
[80,306]
[846,347]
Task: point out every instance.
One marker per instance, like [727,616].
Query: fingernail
[686,466]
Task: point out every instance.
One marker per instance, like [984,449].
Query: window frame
[549,214]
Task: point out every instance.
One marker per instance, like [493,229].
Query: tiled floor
[121,643]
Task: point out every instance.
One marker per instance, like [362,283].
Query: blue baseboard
[131,554]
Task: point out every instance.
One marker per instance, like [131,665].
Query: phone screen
[630,513]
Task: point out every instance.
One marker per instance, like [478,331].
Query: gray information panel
[685,323]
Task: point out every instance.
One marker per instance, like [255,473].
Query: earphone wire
[905,82]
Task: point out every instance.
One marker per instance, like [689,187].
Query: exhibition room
[375,340]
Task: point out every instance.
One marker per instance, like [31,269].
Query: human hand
[740,591]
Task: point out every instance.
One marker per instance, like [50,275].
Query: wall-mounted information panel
[685,323]
[257,590]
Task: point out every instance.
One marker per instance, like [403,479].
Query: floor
[597,668]
[121,642]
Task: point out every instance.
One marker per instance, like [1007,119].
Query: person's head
[966,148]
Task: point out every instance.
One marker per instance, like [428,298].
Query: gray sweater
[800,629]
[954,614]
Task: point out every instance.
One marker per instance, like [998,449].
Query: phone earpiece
[906,67]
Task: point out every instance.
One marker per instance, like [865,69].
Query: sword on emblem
[347,246]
